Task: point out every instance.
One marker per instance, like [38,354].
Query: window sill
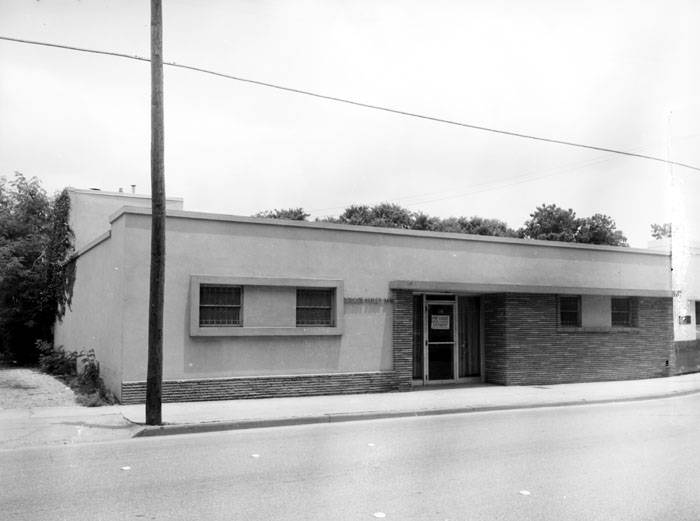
[593,330]
[266,331]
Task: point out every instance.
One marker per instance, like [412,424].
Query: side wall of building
[525,344]
[95,318]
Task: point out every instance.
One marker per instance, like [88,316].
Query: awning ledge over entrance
[480,288]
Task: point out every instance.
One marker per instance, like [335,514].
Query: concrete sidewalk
[193,417]
[42,426]
[67,425]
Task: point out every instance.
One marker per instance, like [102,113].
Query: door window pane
[440,323]
[440,362]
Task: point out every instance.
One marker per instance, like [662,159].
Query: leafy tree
[384,215]
[481,226]
[388,215]
[354,214]
[551,223]
[293,214]
[600,229]
[428,223]
[660,231]
[59,272]
[34,250]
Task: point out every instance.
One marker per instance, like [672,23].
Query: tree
[600,229]
[481,226]
[388,215]
[384,215]
[426,222]
[35,270]
[551,223]
[293,214]
[354,214]
[661,231]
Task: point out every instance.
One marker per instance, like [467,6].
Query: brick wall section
[263,387]
[687,356]
[402,338]
[495,338]
[537,351]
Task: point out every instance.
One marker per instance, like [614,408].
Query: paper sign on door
[440,322]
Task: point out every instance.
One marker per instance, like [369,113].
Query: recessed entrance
[446,338]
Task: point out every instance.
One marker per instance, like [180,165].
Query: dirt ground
[23,388]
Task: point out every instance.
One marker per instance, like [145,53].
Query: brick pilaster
[402,338]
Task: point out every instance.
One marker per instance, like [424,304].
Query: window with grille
[621,312]
[219,306]
[315,307]
[570,311]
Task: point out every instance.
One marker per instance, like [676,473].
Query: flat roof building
[262,307]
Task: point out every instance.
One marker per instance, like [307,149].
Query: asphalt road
[638,460]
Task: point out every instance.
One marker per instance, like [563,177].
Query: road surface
[638,460]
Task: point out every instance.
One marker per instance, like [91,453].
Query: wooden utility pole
[154,378]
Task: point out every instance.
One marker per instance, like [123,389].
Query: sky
[615,74]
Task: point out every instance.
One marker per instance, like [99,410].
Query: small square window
[621,312]
[315,307]
[570,311]
[219,306]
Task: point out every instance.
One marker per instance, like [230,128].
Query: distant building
[261,308]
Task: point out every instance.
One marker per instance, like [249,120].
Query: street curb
[215,426]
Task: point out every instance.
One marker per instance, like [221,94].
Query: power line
[498,185]
[358,103]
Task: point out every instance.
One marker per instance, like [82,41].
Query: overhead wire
[443,195]
[358,103]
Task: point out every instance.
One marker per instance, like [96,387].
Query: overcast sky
[618,74]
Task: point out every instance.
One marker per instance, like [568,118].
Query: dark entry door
[440,341]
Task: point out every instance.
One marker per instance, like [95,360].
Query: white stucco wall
[91,210]
[95,318]
[368,262]
[266,306]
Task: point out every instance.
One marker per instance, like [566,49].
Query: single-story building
[261,307]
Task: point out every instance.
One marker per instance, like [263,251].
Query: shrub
[56,361]
[86,382]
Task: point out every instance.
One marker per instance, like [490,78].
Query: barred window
[315,307]
[570,311]
[219,306]
[621,312]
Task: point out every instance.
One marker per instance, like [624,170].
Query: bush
[56,361]
[86,382]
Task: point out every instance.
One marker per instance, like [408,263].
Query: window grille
[315,307]
[570,311]
[621,312]
[219,306]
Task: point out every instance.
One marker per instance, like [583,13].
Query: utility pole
[683,327]
[154,378]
